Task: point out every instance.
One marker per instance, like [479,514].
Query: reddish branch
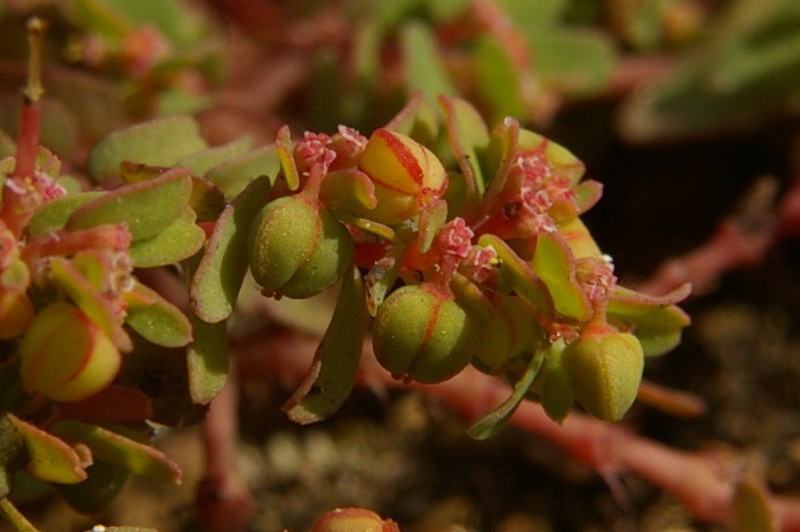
[703,482]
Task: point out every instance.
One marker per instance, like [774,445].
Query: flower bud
[296,249]
[66,356]
[406,176]
[423,335]
[605,368]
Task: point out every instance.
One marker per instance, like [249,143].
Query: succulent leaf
[49,458]
[333,371]
[220,273]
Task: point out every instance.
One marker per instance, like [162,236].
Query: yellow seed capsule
[66,356]
[406,175]
[605,369]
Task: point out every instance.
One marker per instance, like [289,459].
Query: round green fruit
[297,249]
[422,335]
[605,369]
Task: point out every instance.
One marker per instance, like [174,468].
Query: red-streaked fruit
[406,174]
[66,356]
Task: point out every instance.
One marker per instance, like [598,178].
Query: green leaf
[147,208]
[201,162]
[499,80]
[556,393]
[333,371]
[220,273]
[532,17]
[207,360]
[516,275]
[178,241]
[469,140]
[284,147]
[158,142]
[497,419]
[554,264]
[54,214]
[114,448]
[49,458]
[656,321]
[234,175]
[156,319]
[432,218]
[424,67]
[576,63]
[747,71]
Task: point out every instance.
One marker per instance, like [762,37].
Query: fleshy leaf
[574,62]
[54,214]
[333,371]
[49,458]
[516,275]
[114,448]
[431,219]
[556,393]
[469,140]
[156,319]
[587,194]
[499,81]
[424,67]
[219,276]
[497,419]
[178,241]
[283,145]
[657,322]
[234,175]
[201,162]
[147,208]
[554,264]
[159,142]
[207,360]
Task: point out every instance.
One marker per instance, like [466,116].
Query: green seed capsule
[298,250]
[423,335]
[605,369]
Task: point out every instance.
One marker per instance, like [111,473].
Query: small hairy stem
[28,143]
